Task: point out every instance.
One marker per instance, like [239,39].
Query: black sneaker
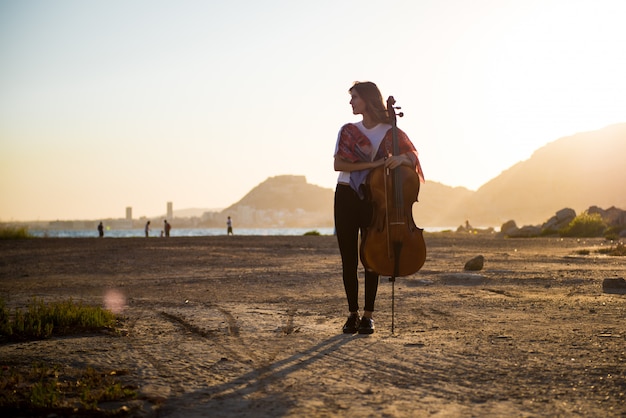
[366,326]
[352,324]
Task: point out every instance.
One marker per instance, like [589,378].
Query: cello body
[393,245]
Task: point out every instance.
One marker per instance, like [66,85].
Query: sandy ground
[251,326]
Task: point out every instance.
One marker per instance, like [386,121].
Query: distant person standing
[147,229]
[100,230]
[229,226]
[167,228]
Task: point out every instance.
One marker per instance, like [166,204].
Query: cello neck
[391,111]
[396,178]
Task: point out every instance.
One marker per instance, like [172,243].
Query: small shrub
[612,233]
[5,324]
[44,394]
[619,250]
[313,233]
[13,232]
[585,225]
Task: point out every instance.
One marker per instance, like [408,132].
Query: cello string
[385,177]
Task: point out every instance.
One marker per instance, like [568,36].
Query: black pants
[352,215]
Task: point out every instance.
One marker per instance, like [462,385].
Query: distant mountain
[286,193]
[284,201]
[578,171]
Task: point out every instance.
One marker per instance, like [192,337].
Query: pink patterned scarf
[354,146]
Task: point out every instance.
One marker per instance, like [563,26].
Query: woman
[361,147]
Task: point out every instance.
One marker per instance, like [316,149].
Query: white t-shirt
[375,135]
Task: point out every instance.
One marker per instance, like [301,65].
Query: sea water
[189,232]
[175,232]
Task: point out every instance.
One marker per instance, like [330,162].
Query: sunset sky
[110,104]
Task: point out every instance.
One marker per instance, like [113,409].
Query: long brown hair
[372,97]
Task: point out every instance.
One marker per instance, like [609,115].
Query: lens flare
[114,301]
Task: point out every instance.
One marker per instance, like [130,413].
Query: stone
[559,221]
[475,263]
[507,228]
[565,214]
[527,231]
[617,285]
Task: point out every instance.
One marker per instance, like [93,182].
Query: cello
[393,245]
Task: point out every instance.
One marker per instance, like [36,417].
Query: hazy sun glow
[116,104]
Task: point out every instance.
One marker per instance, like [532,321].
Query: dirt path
[250,326]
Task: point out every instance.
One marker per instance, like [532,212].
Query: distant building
[129,213]
[170,210]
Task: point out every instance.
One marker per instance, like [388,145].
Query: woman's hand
[394,161]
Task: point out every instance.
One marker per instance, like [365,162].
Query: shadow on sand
[246,393]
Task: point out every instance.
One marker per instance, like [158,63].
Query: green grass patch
[52,390]
[312,233]
[42,320]
[49,390]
